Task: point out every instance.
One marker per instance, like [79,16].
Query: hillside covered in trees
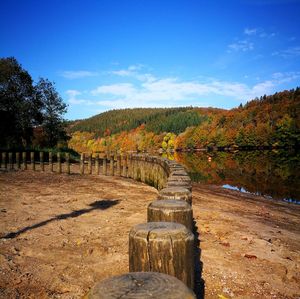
[271,121]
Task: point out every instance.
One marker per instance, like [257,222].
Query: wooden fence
[164,247]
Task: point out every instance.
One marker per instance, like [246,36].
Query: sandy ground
[60,234]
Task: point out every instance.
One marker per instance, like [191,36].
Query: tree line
[31,114]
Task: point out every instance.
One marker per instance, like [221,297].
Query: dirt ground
[60,234]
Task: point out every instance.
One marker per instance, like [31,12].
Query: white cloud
[249,31]
[133,72]
[73,93]
[241,45]
[291,52]
[78,74]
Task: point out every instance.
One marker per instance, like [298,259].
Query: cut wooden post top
[170,204]
[157,230]
[175,193]
[141,285]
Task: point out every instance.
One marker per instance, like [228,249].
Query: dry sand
[60,234]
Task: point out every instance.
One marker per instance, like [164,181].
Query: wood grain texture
[175,193]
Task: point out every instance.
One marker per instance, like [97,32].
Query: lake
[273,174]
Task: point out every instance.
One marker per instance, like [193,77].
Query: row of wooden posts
[161,251]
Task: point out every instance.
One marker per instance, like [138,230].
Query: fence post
[124,172]
[18,165]
[24,158]
[32,161]
[51,161]
[68,163]
[90,164]
[104,166]
[42,161]
[165,247]
[58,162]
[97,164]
[10,161]
[118,165]
[82,163]
[112,170]
[171,210]
[141,285]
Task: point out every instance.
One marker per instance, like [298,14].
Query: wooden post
[24,158]
[104,166]
[42,161]
[176,193]
[68,163]
[171,210]
[58,162]
[50,161]
[97,164]
[18,163]
[128,166]
[141,285]
[180,184]
[112,170]
[90,164]
[10,161]
[82,163]
[124,169]
[32,161]
[118,165]
[165,247]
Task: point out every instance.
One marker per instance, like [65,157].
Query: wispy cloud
[73,98]
[291,52]
[133,71]
[170,91]
[241,45]
[77,74]
[250,31]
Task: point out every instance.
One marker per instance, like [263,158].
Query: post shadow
[96,205]
[199,288]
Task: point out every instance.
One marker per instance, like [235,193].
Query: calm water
[273,174]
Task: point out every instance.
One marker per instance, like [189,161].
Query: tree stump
[175,193]
[118,165]
[171,210]
[42,161]
[180,178]
[82,163]
[24,160]
[140,285]
[3,161]
[164,247]
[124,169]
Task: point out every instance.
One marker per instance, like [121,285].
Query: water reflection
[273,174]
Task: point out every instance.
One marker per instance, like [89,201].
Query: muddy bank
[60,234]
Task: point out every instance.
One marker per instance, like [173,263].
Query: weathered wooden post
[24,159]
[67,157]
[165,247]
[18,163]
[140,285]
[171,210]
[129,157]
[90,164]
[176,193]
[112,170]
[50,161]
[118,165]
[97,164]
[182,184]
[32,161]
[10,161]
[82,163]
[124,169]
[104,165]
[42,161]
[58,162]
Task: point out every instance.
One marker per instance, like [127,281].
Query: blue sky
[111,54]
